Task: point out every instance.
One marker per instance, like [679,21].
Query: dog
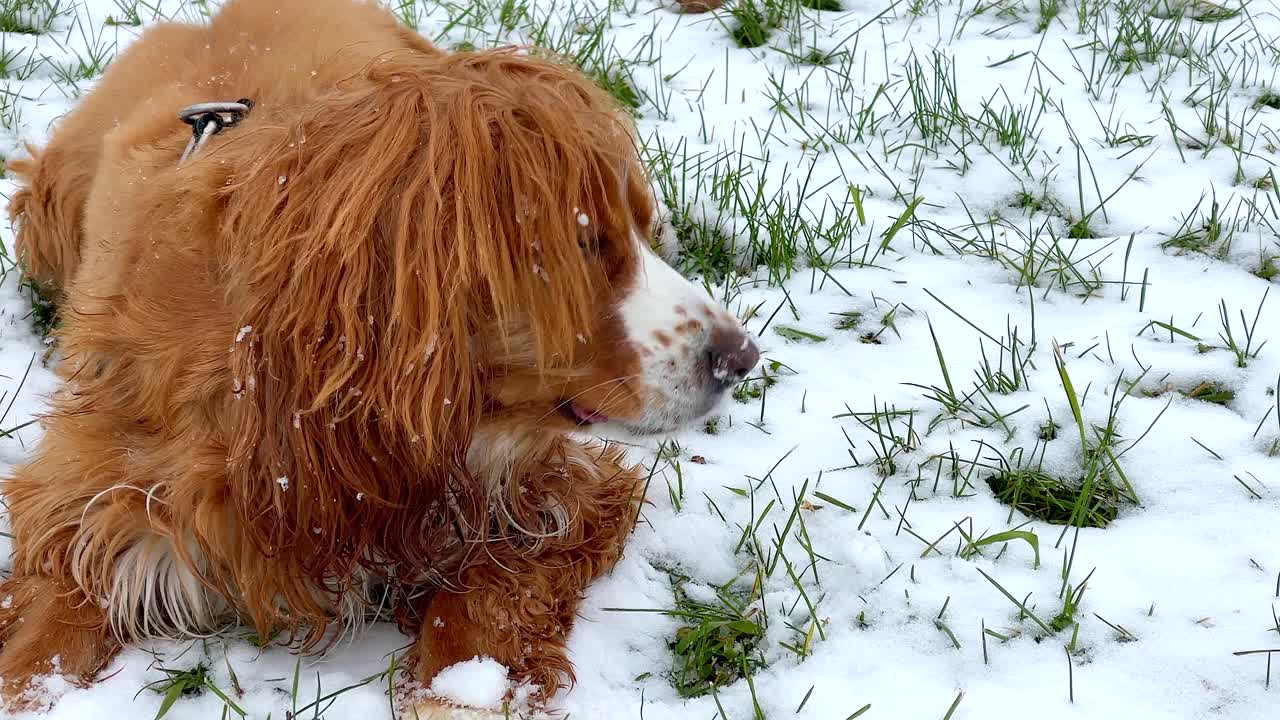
[333,352]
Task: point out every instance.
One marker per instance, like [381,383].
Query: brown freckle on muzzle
[663,339]
[688,327]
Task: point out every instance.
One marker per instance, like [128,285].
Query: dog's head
[445,237]
[634,344]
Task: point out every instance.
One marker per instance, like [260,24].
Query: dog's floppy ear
[370,237]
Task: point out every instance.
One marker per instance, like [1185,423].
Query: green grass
[1268,269]
[410,12]
[1032,202]
[817,57]
[1048,12]
[1052,499]
[1243,342]
[1081,230]
[615,78]
[44,310]
[751,23]
[127,15]
[17,63]
[97,55]
[848,320]
[705,249]
[798,335]
[754,388]
[189,682]
[719,644]
[1207,391]
[1268,98]
[1209,12]
[178,684]
[32,17]
[1094,496]
[1209,233]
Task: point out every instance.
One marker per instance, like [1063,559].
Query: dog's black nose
[732,355]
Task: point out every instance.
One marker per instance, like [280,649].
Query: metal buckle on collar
[209,119]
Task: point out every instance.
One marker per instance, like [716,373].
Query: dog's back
[110,223]
[276,52]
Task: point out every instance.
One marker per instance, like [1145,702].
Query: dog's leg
[517,607]
[49,626]
[94,560]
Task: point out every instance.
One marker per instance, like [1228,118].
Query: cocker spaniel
[332,354]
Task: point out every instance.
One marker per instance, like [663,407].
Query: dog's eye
[595,244]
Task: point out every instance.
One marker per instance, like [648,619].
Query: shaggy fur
[341,349]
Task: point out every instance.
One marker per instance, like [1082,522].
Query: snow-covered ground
[928,203]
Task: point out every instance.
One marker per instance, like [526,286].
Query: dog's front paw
[433,709]
[477,689]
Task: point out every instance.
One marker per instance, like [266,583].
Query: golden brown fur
[330,347]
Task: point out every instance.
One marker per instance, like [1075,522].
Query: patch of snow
[479,683]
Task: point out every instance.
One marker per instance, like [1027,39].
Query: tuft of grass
[1268,98]
[1091,499]
[1248,333]
[128,15]
[1081,230]
[409,12]
[1267,269]
[1209,12]
[706,249]
[752,23]
[827,5]
[1210,392]
[1208,233]
[719,645]
[190,682]
[31,17]
[44,311]
[1048,12]
[1032,202]
[615,79]
[93,62]
[848,320]
[10,110]
[1070,606]
[1048,431]
[893,434]
[817,57]
[13,64]
[1060,502]
[720,637]
[754,388]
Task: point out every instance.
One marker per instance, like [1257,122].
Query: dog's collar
[208,119]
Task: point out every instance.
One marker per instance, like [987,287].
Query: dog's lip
[580,414]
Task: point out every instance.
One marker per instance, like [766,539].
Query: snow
[1192,571]
[480,683]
